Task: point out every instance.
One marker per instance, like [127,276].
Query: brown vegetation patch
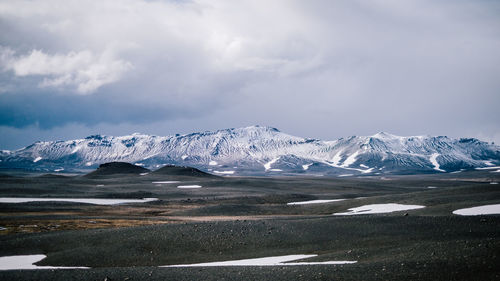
[35,226]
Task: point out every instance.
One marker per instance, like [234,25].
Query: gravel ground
[425,244]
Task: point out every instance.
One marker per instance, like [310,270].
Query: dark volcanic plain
[232,218]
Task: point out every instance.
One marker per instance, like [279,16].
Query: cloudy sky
[321,69]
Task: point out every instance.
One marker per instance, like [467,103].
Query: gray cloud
[316,68]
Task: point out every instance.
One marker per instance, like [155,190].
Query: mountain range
[259,150]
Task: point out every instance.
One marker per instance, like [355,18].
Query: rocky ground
[241,218]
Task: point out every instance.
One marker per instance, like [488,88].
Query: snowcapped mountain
[259,150]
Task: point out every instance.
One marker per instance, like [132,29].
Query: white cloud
[82,70]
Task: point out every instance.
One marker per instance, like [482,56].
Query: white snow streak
[493,209]
[350,160]
[212,163]
[319,201]
[336,159]
[306,167]
[165,182]
[434,162]
[267,261]
[37,159]
[267,166]
[488,168]
[379,209]
[367,171]
[27,262]
[224,172]
[189,186]
[76,149]
[76,200]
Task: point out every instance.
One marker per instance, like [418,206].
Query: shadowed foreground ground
[239,218]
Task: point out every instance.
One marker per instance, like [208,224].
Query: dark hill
[52,176]
[172,170]
[117,168]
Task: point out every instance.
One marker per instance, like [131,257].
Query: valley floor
[232,218]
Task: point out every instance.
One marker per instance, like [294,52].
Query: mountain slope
[261,150]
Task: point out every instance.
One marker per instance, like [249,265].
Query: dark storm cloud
[321,69]
[51,110]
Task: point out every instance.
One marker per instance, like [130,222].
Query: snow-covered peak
[262,149]
[385,136]
[255,130]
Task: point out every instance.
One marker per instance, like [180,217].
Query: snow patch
[432,187]
[224,172]
[306,167]
[367,171]
[143,174]
[59,170]
[267,261]
[183,157]
[94,201]
[350,160]
[493,182]
[493,209]
[346,175]
[88,164]
[379,209]
[28,262]
[267,166]
[165,182]
[189,186]
[488,168]
[320,201]
[364,166]
[276,170]
[212,163]
[434,162]
[37,159]
[336,159]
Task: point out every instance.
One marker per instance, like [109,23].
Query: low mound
[52,176]
[117,168]
[172,170]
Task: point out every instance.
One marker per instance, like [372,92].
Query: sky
[319,69]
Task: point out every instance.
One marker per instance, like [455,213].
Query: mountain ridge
[261,150]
